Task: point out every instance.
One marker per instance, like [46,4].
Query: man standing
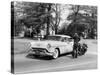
[76,44]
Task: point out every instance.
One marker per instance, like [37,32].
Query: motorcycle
[79,50]
[82,49]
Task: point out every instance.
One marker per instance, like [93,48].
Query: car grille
[39,49]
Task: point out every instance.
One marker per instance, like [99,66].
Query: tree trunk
[56,29]
[48,22]
[48,19]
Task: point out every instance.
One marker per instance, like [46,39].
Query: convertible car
[53,45]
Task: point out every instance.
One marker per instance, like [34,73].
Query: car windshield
[56,38]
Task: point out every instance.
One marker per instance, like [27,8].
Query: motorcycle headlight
[48,46]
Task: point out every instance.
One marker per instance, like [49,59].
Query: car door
[64,45]
[70,44]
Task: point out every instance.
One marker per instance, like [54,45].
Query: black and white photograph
[53,37]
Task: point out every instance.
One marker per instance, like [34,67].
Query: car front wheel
[55,54]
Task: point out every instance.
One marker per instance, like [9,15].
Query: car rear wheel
[55,54]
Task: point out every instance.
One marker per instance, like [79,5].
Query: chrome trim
[43,52]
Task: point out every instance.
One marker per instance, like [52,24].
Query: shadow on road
[31,56]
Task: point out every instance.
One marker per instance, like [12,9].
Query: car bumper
[36,51]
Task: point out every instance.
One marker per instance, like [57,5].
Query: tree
[35,15]
[48,17]
[63,28]
[87,19]
[55,20]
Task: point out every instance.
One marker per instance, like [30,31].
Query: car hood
[44,43]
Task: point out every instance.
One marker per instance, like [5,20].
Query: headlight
[48,46]
[29,45]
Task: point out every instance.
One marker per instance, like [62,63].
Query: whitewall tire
[55,54]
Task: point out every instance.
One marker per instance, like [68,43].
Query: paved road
[28,64]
